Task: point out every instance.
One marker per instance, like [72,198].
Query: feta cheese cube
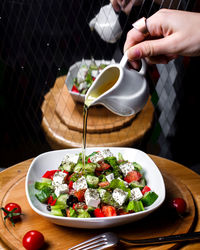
[136,194]
[82,86]
[70,158]
[80,184]
[69,161]
[96,157]
[92,198]
[110,177]
[119,196]
[82,73]
[107,153]
[58,178]
[94,73]
[61,189]
[126,168]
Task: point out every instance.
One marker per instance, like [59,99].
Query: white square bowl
[72,73]
[51,160]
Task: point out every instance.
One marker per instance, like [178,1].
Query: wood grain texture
[100,119]
[178,180]
[62,122]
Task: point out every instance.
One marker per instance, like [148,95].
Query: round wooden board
[60,136]
[160,223]
[100,119]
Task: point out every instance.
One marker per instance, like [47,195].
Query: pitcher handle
[124,61]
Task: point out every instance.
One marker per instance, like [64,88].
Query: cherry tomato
[98,213]
[109,211]
[80,194]
[145,189]
[133,176]
[12,211]
[102,166]
[104,184]
[121,212]
[33,240]
[180,205]
[74,89]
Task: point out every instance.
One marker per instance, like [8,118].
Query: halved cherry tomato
[98,213]
[133,176]
[33,240]
[109,211]
[102,166]
[103,184]
[79,206]
[145,189]
[80,194]
[121,212]
[12,211]
[50,174]
[74,89]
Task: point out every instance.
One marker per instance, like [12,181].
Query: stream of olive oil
[85,116]
[93,95]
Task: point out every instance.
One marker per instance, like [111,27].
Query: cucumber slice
[56,212]
[90,168]
[140,184]
[44,194]
[83,213]
[41,185]
[92,181]
[62,199]
[46,180]
[67,166]
[135,206]
[149,198]
[78,167]
[137,166]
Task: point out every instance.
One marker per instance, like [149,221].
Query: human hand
[124,5]
[171,33]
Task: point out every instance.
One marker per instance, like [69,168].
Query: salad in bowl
[113,187]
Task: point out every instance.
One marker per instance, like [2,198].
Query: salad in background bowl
[103,194]
[81,76]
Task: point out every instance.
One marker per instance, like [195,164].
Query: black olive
[49,207]
[71,200]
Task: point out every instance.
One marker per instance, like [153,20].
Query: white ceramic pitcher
[106,23]
[122,90]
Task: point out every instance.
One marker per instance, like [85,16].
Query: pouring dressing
[122,90]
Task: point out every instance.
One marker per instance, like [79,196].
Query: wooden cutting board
[161,222]
[64,130]
[100,119]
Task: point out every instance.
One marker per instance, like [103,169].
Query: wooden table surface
[183,174]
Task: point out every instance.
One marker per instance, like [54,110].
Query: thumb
[149,48]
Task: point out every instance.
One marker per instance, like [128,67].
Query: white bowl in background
[51,160]
[73,71]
